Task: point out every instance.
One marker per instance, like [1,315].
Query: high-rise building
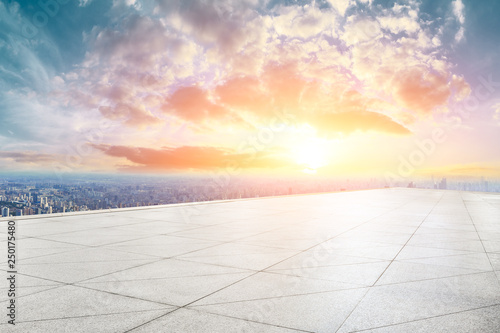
[442,184]
[5,211]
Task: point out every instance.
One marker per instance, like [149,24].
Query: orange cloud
[189,157]
[327,109]
[351,121]
[245,93]
[279,86]
[420,90]
[192,103]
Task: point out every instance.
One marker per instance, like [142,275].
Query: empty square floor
[390,260]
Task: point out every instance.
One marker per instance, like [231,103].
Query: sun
[311,155]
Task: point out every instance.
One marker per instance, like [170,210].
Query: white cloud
[496,114]
[304,23]
[399,24]
[340,5]
[458,10]
[459,36]
[361,30]
[84,3]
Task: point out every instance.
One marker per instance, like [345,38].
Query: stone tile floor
[391,260]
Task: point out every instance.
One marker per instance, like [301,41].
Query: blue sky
[168,86]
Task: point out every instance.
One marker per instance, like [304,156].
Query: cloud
[352,121]
[211,60]
[304,22]
[419,90]
[361,29]
[459,10]
[465,170]
[224,26]
[397,25]
[129,71]
[459,36]
[131,115]
[84,3]
[28,157]
[244,93]
[192,103]
[340,5]
[139,41]
[329,110]
[496,113]
[188,158]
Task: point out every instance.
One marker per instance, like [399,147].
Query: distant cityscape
[34,195]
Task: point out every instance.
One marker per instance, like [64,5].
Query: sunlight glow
[311,155]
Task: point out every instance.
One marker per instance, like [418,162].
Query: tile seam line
[61,284]
[282,296]
[427,318]
[398,283]
[405,244]
[92,228]
[480,239]
[233,241]
[444,248]
[37,292]
[163,278]
[214,314]
[362,298]
[254,321]
[84,316]
[126,296]
[118,271]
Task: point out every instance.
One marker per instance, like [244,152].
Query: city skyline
[48,194]
[327,88]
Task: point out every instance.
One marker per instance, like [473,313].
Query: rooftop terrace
[391,260]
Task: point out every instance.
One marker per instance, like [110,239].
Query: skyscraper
[5,211]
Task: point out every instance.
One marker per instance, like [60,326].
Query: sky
[395,89]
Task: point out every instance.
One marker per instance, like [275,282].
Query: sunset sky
[331,87]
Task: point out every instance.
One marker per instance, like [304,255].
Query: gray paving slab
[389,260]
